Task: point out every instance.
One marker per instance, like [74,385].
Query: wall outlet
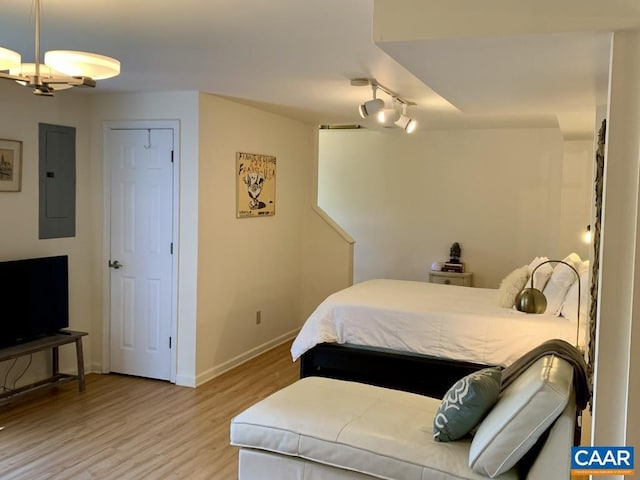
[258,317]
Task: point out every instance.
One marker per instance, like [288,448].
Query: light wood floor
[125,428]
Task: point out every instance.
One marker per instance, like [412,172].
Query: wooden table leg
[55,361]
[80,359]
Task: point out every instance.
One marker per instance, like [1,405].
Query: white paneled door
[141,169]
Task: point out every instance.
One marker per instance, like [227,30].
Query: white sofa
[321,428]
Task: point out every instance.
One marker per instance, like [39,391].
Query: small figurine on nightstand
[455,253]
[454,264]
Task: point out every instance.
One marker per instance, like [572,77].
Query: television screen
[34,298]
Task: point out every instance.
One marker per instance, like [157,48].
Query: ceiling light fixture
[386,116]
[371,107]
[61,68]
[408,124]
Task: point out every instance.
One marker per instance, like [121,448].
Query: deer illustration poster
[255,185]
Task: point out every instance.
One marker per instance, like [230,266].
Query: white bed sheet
[445,321]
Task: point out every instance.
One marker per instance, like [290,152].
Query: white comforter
[446,321]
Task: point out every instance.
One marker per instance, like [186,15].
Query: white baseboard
[94,368]
[186,381]
[213,372]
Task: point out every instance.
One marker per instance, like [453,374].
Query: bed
[417,336]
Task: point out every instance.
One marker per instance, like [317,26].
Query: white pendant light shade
[46,74]
[9,59]
[82,64]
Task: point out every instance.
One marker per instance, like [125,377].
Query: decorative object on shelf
[61,68]
[454,264]
[255,185]
[10,165]
[455,253]
[453,267]
[532,300]
[436,266]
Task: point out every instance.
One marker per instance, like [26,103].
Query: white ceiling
[296,57]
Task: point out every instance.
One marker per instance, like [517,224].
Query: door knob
[115,264]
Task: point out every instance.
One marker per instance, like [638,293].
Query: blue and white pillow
[466,403]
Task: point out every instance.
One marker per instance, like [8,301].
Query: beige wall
[232,267]
[21,113]
[250,264]
[496,192]
[327,260]
[576,207]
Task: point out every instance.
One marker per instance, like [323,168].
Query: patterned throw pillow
[466,403]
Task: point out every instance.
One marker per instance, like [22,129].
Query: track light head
[371,107]
[388,116]
[408,124]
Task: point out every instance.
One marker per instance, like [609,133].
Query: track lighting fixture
[388,116]
[408,124]
[371,107]
[376,106]
[61,68]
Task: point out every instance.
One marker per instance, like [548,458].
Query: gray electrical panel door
[57,181]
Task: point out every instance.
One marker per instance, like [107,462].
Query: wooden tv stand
[49,342]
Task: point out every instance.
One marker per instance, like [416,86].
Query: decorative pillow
[542,274]
[558,285]
[466,402]
[526,408]
[511,286]
[570,305]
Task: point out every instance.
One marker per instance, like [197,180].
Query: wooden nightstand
[451,278]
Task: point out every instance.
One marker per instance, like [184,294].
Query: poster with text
[255,185]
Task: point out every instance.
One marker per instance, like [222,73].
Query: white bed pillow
[570,305]
[511,285]
[559,283]
[542,274]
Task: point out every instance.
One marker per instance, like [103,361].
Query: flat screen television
[34,298]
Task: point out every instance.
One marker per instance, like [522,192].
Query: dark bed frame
[406,371]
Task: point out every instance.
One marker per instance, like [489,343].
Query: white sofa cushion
[525,409]
[376,431]
[550,462]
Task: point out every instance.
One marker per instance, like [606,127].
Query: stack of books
[453,267]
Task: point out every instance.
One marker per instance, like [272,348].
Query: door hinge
[171,248]
[169,342]
[171,156]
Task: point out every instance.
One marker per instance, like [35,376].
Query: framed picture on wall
[255,185]
[10,165]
